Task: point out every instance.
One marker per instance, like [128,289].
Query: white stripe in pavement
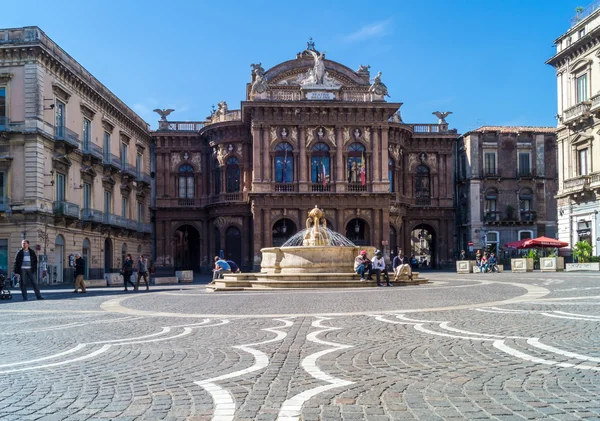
[575,314]
[223,400]
[84,357]
[186,331]
[483,310]
[382,319]
[403,317]
[50,357]
[536,343]
[420,328]
[445,326]
[509,310]
[558,316]
[290,409]
[162,332]
[203,322]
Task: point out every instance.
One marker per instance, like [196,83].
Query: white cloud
[372,30]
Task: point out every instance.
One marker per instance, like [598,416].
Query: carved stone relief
[197,161]
[175,161]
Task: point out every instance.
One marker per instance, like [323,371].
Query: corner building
[74,162]
[311,132]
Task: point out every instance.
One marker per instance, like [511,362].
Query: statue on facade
[163,113]
[257,69]
[259,85]
[318,71]
[442,116]
[222,108]
[363,69]
[378,87]
[396,117]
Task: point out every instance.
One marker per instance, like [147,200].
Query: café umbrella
[546,242]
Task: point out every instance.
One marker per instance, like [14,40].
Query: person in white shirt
[379,267]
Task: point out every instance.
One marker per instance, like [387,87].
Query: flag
[363,175]
[323,174]
[284,167]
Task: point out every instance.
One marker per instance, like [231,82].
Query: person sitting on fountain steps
[362,265]
[379,268]
[221,267]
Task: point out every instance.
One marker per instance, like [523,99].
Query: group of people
[224,266]
[486,262]
[127,270]
[366,267]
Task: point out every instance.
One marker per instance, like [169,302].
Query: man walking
[26,268]
[142,271]
[79,272]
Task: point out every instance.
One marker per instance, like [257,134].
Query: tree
[582,251]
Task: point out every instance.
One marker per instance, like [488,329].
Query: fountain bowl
[311,259]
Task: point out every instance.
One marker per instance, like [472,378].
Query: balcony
[490,173]
[142,177]
[66,209]
[92,215]
[4,124]
[525,173]
[222,198]
[183,126]
[110,219]
[576,184]
[491,216]
[528,216]
[131,225]
[319,187]
[577,113]
[68,137]
[143,227]
[357,188]
[595,100]
[111,160]
[92,150]
[285,187]
[128,169]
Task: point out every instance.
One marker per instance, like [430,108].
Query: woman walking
[128,271]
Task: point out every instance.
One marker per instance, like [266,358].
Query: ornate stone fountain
[315,257]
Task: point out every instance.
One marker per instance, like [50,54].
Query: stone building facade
[505,186]
[310,132]
[74,162]
[578,88]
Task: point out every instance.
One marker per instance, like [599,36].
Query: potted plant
[552,263]
[582,252]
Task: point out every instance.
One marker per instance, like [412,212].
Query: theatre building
[311,132]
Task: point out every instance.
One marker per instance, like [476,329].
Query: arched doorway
[59,249]
[85,254]
[423,245]
[217,237]
[283,230]
[233,245]
[187,248]
[108,254]
[357,231]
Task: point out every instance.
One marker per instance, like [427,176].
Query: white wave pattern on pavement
[290,410]
[222,398]
[498,341]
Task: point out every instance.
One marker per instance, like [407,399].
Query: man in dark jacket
[79,272]
[26,268]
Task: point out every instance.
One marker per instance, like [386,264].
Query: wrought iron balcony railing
[65,135]
[63,208]
[525,173]
[92,215]
[90,148]
[128,169]
[112,160]
[491,216]
[528,216]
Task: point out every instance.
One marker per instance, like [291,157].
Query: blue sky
[482,60]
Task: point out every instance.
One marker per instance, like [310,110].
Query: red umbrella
[516,244]
[543,242]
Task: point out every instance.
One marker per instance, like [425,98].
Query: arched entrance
[233,245]
[357,231]
[108,254]
[59,249]
[85,254]
[187,248]
[423,245]
[283,230]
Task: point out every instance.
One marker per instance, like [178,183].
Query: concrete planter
[185,276]
[583,266]
[465,266]
[552,264]
[114,279]
[521,265]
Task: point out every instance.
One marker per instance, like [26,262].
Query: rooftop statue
[163,113]
[378,87]
[257,69]
[318,71]
[259,85]
[442,116]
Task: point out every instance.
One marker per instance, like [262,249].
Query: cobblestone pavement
[498,346]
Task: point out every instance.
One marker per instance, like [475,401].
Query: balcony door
[60,187]
[60,119]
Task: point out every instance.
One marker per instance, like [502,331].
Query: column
[266,170]
[340,167]
[303,187]
[375,158]
[256,142]
[384,155]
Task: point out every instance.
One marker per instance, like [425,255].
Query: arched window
[284,163]
[186,182]
[391,174]
[233,175]
[356,164]
[320,168]
[422,185]
[217,177]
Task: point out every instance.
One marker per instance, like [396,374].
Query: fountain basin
[311,259]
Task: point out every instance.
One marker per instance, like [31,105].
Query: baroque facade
[577,66]
[74,162]
[310,132]
[505,186]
